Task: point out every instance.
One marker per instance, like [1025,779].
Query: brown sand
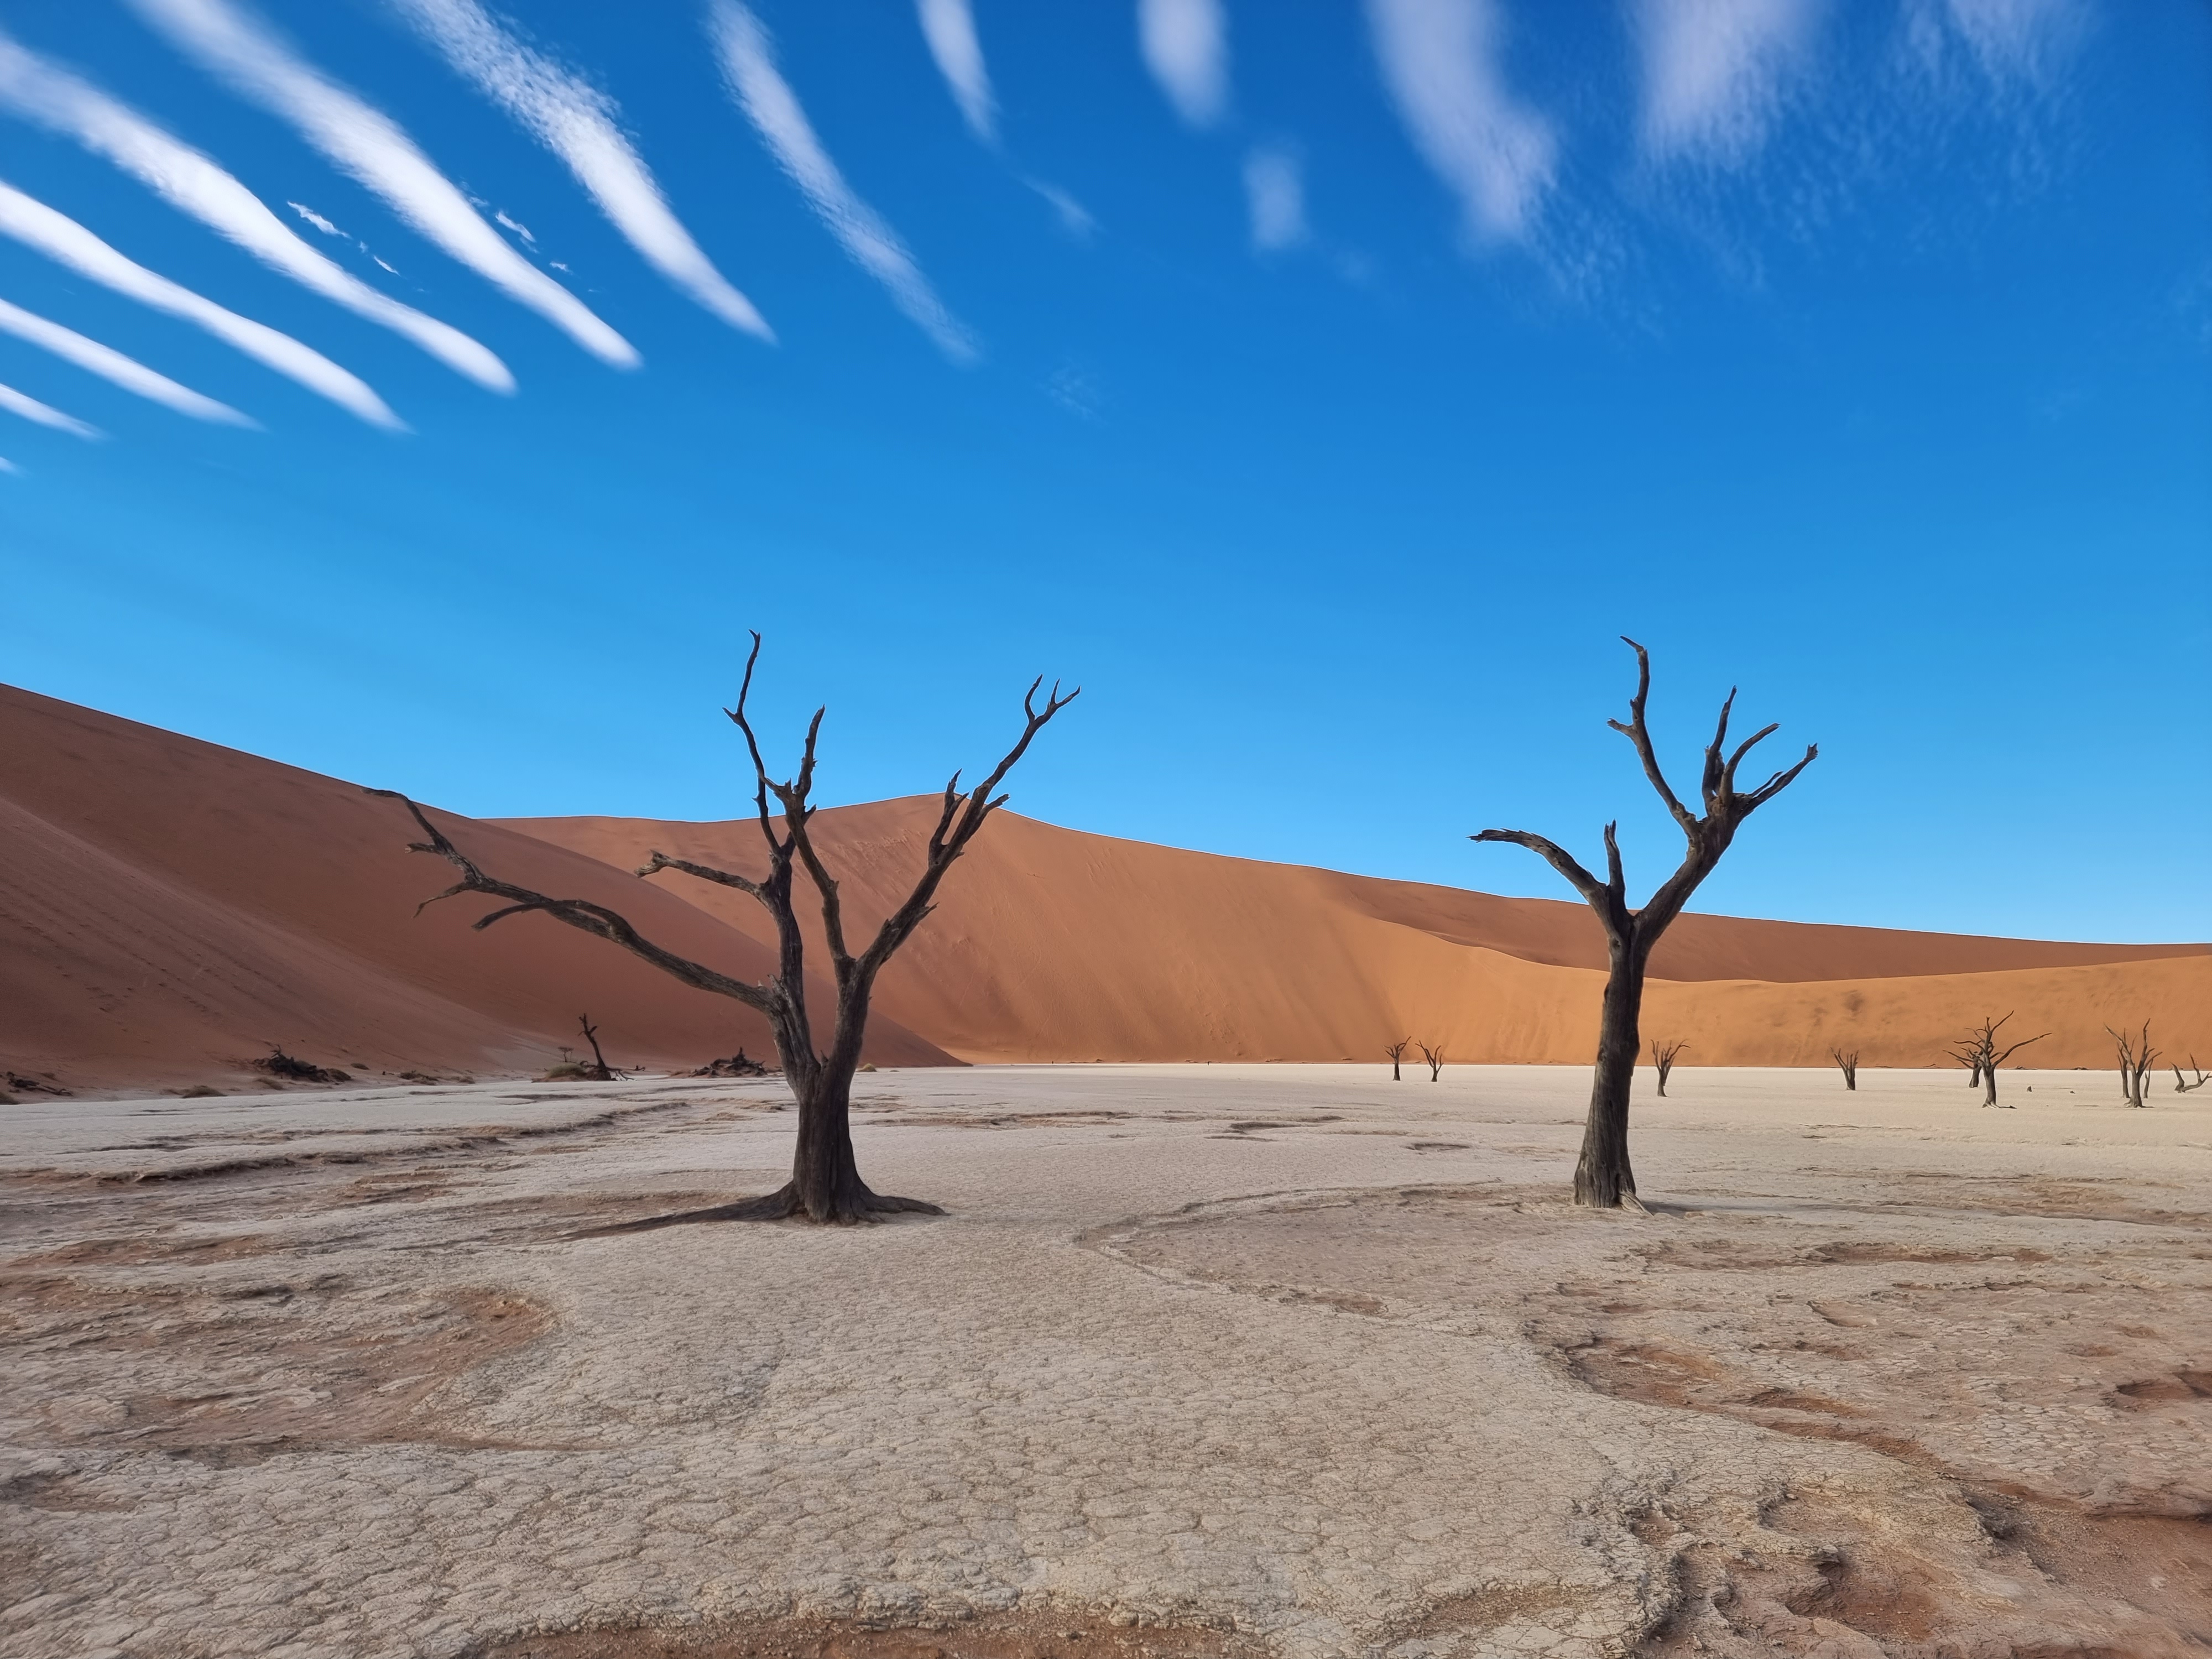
[168,908]
[1050,943]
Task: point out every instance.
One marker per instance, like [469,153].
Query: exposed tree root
[784,1204]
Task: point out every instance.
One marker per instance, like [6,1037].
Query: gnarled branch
[581,913]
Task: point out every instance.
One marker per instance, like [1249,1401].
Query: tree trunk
[1988,1085]
[1602,1177]
[825,1179]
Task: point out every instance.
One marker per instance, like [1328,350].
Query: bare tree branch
[1640,734]
[1560,858]
[581,914]
[661,861]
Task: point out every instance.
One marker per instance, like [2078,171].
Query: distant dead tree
[1397,1053]
[2181,1084]
[598,1071]
[825,1183]
[1603,1177]
[1848,1064]
[1978,1048]
[2135,1057]
[1433,1058]
[1662,1058]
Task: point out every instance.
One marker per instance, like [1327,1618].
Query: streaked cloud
[314,218]
[1074,218]
[1714,72]
[371,147]
[1440,63]
[1185,44]
[948,26]
[112,366]
[22,404]
[747,62]
[2024,41]
[62,239]
[1275,197]
[581,125]
[43,92]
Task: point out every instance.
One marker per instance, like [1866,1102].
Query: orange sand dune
[169,908]
[1049,943]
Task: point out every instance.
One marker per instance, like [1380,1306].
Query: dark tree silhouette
[1847,1062]
[1397,1053]
[1978,1048]
[2135,1057]
[1663,1060]
[2182,1085]
[1603,1177]
[825,1183]
[598,1071]
[1433,1058]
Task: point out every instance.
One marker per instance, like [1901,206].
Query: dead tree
[1978,1048]
[1662,1059]
[825,1183]
[2181,1084]
[1397,1053]
[1433,1058]
[2135,1057]
[1847,1062]
[598,1071]
[1603,1177]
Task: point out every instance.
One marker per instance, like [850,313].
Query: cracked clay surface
[1210,1360]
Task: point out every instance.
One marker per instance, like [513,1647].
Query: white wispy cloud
[2024,41]
[22,404]
[948,26]
[314,218]
[62,239]
[1715,71]
[1185,44]
[40,91]
[748,61]
[111,365]
[1275,195]
[1075,218]
[581,125]
[8,466]
[1440,63]
[370,146]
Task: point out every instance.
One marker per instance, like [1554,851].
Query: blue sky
[1324,387]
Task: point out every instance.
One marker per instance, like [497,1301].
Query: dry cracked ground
[1207,1360]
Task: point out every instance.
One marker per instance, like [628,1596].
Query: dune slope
[168,908]
[1049,943]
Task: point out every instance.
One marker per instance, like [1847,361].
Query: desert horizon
[249,883]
